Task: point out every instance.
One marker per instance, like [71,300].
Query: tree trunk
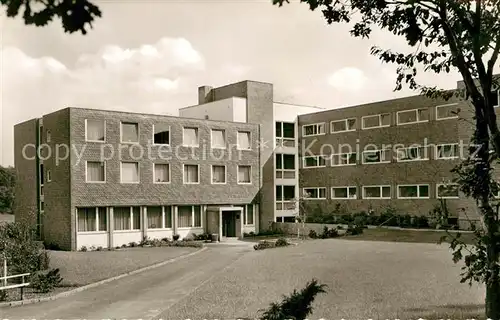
[489,216]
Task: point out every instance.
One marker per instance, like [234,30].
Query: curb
[98,283]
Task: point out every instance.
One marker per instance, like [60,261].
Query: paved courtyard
[365,279]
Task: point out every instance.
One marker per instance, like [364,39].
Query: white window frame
[317,126]
[212,173]
[238,174]
[249,140]
[346,121]
[417,116]
[212,139]
[442,106]
[161,144]
[163,224]
[282,202]
[446,184]
[138,172]
[436,153]
[48,136]
[247,215]
[348,193]
[184,175]
[398,155]
[86,169]
[96,221]
[48,175]
[381,193]
[380,162]
[132,225]
[498,97]
[169,173]
[197,136]
[192,218]
[281,140]
[318,166]
[332,164]
[317,189]
[418,191]
[121,133]
[104,124]
[379,121]
[282,170]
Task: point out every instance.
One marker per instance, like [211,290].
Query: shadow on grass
[412,236]
[450,311]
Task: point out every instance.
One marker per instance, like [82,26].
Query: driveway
[365,279]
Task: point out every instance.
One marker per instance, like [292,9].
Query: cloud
[348,79]
[152,78]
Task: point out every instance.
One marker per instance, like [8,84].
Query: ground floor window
[127,218]
[279,219]
[189,216]
[288,219]
[92,219]
[249,214]
[159,217]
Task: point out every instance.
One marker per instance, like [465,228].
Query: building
[232,164]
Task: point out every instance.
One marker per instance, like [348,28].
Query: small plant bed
[266,244]
[265,235]
[392,235]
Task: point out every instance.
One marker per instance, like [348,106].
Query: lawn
[6,218]
[365,279]
[421,236]
[81,268]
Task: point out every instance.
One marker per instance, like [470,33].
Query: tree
[301,213]
[446,35]
[7,184]
[75,15]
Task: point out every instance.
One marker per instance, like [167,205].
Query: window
[244,174]
[244,140]
[344,159]
[344,193]
[447,151]
[249,214]
[313,129]
[161,133]
[343,125]
[412,154]
[218,139]
[49,136]
[42,206]
[285,166]
[376,121]
[376,156]
[95,130]
[129,172]
[495,97]
[40,134]
[127,218]
[289,219]
[130,132]
[285,197]
[285,134]
[314,161]
[189,216]
[218,174]
[447,191]
[191,174]
[159,217]
[190,137]
[447,111]
[419,191]
[41,190]
[376,192]
[92,219]
[96,171]
[42,175]
[412,116]
[49,176]
[314,193]
[161,173]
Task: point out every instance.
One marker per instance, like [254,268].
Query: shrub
[405,221]
[281,242]
[264,245]
[43,260]
[145,242]
[354,230]
[187,244]
[132,244]
[296,306]
[3,295]
[52,246]
[46,281]
[204,237]
[313,234]
[176,237]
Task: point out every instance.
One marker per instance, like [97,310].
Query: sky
[151,56]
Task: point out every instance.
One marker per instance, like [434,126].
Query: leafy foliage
[75,15]
[46,281]
[7,185]
[296,306]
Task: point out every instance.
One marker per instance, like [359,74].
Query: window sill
[96,141]
[92,232]
[414,122]
[159,229]
[378,127]
[130,142]
[344,131]
[188,228]
[156,182]
[96,182]
[127,231]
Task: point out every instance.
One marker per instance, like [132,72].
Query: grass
[413,236]
[6,218]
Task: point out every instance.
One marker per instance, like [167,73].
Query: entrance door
[229,223]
